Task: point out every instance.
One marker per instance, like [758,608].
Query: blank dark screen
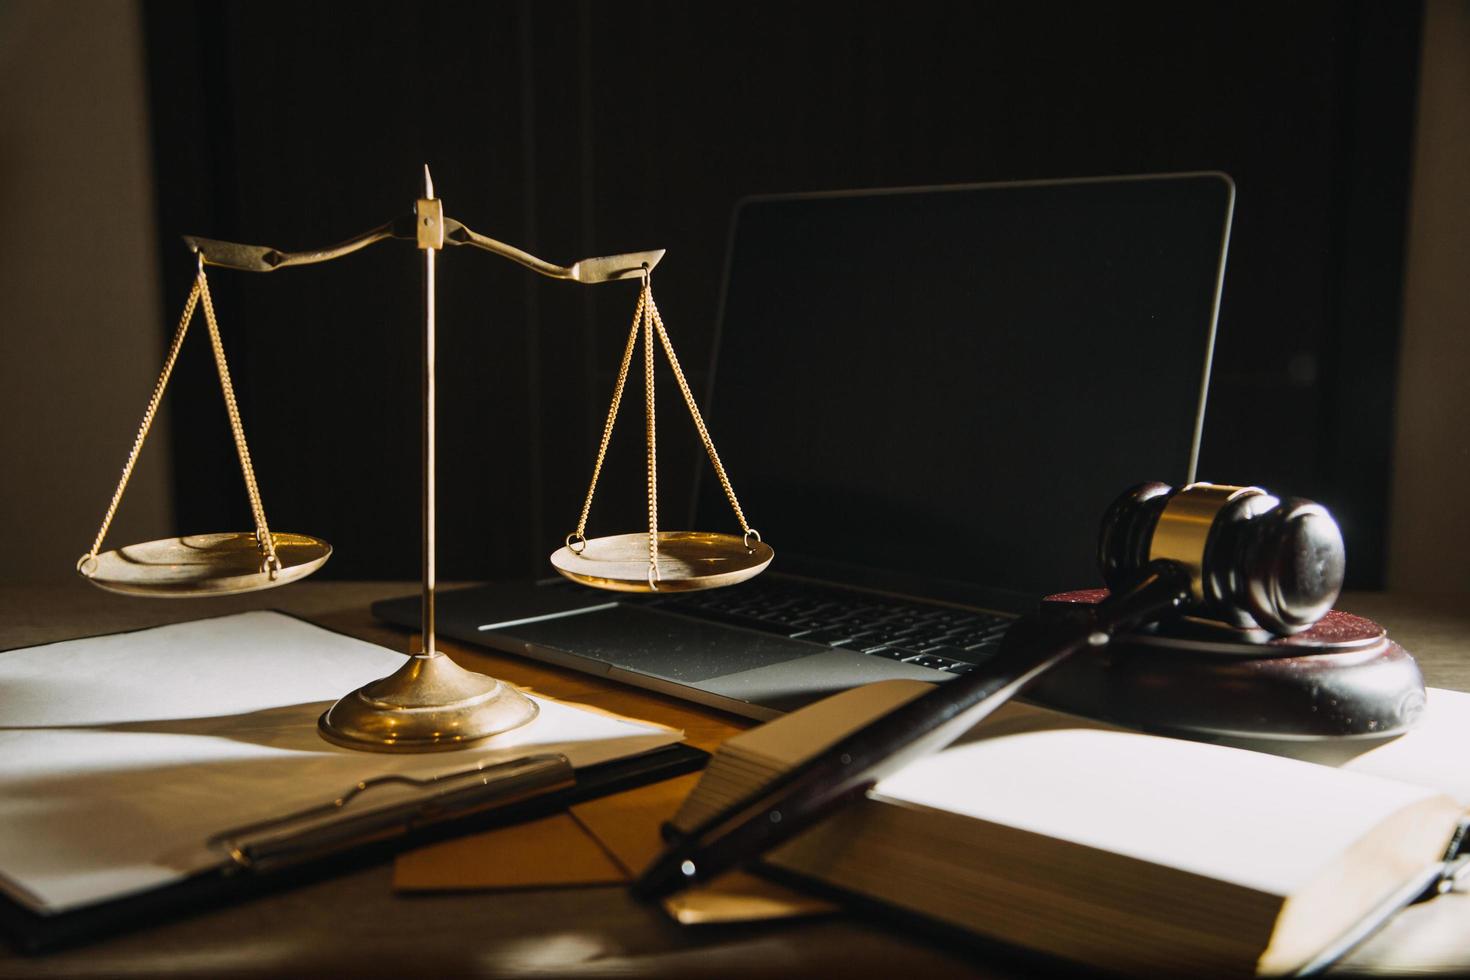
[954,384]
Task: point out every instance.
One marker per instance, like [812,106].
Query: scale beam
[264,258]
[607,268]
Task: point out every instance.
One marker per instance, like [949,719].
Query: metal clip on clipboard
[1455,876]
[386,807]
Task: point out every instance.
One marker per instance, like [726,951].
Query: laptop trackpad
[671,647]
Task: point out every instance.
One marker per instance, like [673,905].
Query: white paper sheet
[120,755]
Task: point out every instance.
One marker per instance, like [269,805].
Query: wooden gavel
[1253,559]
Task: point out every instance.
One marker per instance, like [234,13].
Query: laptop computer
[925,397]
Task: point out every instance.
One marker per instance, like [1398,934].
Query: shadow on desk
[291,727]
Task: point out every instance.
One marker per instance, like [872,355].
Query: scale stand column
[429,225]
[430,702]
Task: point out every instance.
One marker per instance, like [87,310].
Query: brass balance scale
[431,703]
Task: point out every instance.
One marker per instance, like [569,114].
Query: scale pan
[205,564]
[687,561]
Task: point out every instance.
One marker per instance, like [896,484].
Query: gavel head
[1253,559]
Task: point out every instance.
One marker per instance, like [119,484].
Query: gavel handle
[925,725]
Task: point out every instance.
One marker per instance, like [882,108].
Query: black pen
[853,765]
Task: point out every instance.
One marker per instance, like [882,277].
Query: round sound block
[1342,678]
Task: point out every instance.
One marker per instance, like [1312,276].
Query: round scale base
[687,561]
[1342,679]
[430,704]
[204,565]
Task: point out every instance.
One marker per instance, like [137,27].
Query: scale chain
[612,415]
[270,562]
[652,431]
[709,444]
[648,321]
[144,427]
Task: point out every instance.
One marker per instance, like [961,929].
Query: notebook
[925,398]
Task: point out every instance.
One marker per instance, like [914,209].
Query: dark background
[575,129]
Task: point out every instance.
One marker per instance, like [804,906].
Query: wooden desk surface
[354,924]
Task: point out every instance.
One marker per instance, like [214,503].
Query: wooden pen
[852,766]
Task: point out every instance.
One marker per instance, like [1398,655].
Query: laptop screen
[950,385]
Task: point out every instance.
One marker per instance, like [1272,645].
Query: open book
[1132,852]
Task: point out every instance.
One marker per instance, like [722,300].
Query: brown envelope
[739,897]
[628,823]
[600,841]
[607,840]
[551,852]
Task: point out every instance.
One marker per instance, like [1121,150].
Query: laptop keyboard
[939,637]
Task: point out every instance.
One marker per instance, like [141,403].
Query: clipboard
[180,735]
[265,857]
